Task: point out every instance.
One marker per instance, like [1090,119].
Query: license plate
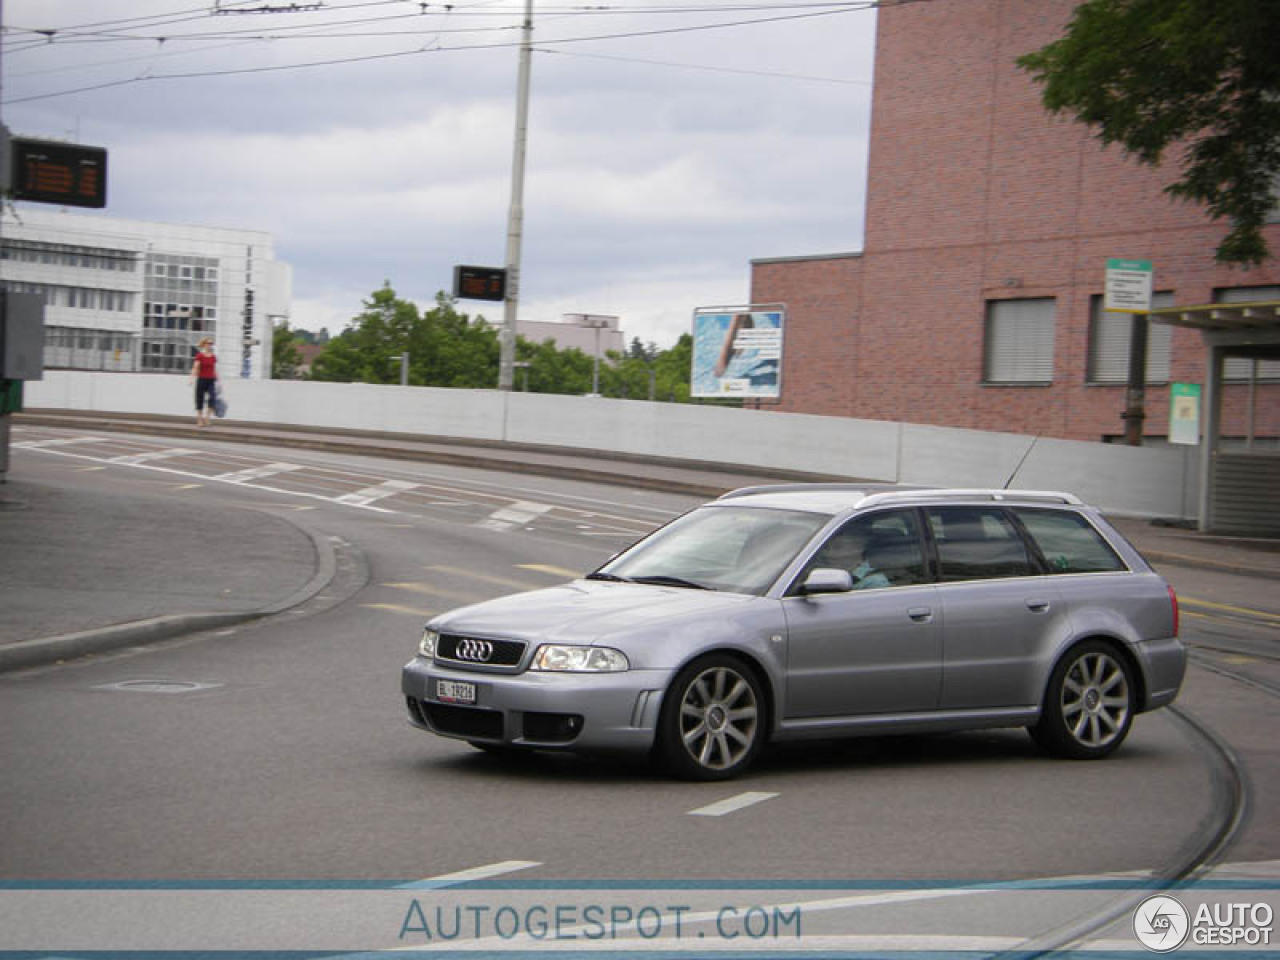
[454,691]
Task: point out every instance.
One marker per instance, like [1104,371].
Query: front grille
[464,721]
[479,652]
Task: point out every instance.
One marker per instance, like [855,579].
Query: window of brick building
[1019,341]
[1109,344]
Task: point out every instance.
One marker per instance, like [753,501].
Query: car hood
[586,611]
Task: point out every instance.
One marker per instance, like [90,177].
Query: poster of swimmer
[737,352]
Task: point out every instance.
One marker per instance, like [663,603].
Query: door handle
[920,614]
[1037,606]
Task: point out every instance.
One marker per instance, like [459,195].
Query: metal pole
[515,216]
[404,369]
[1135,396]
[595,367]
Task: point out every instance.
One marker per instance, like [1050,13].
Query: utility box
[21,336]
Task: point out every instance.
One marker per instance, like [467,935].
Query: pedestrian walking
[204,371]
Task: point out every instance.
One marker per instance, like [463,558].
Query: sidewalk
[85,570]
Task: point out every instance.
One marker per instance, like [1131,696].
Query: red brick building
[976,301]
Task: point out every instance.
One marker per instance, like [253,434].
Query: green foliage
[285,358]
[1203,75]
[449,349]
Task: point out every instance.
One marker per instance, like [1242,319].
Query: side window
[1069,542]
[879,550]
[978,543]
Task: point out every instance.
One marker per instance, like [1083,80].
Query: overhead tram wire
[81,34]
[811,14]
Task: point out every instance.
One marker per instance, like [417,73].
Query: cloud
[657,166]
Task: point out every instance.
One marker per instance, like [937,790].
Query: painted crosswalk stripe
[467,876]
[257,473]
[368,495]
[732,804]
[515,515]
[132,458]
[58,442]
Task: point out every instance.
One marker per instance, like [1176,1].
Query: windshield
[736,549]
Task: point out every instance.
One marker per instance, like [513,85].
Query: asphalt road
[278,749]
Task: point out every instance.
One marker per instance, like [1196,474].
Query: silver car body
[925,656]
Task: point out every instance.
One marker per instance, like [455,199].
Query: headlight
[427,645]
[560,658]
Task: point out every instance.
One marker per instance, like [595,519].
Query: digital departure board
[68,174]
[479,283]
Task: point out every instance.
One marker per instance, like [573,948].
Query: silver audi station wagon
[816,611]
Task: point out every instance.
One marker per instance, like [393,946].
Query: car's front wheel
[712,721]
[1088,705]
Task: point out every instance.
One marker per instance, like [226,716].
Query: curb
[71,646]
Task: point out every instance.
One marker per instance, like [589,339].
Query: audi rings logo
[1161,923]
[478,651]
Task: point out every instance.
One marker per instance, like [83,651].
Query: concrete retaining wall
[1144,482]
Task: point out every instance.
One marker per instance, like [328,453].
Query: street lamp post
[515,215]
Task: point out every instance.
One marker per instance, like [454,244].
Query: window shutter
[1019,343]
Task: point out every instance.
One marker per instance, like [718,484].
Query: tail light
[1173,602]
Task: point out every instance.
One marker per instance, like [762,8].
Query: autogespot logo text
[1161,923]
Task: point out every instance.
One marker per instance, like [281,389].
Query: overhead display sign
[1128,288]
[479,283]
[737,352]
[68,174]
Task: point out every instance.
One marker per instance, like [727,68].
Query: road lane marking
[397,608]
[56,442]
[129,459]
[514,515]
[1228,608]
[257,473]
[732,804]
[422,588]
[550,570]
[486,578]
[388,488]
[467,876]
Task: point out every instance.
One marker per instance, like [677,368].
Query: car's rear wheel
[712,721]
[1088,705]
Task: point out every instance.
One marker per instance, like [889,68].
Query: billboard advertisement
[737,352]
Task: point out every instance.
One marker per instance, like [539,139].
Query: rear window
[1069,542]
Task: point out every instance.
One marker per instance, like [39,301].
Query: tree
[368,351]
[285,358]
[1202,74]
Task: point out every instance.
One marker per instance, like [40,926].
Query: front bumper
[597,712]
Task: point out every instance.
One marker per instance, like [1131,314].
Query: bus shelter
[1239,486]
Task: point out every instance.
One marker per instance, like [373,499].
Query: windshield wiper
[662,581]
[612,577]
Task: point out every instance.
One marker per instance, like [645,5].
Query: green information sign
[1184,413]
[1128,288]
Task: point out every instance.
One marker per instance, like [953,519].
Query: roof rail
[1049,496]
[794,487]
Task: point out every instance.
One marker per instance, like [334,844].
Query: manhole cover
[158,686]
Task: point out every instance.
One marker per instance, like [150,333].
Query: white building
[132,295]
[593,334]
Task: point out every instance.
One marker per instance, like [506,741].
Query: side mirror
[827,580]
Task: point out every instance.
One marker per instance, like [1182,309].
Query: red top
[207,365]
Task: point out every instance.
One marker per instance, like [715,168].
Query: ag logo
[1161,923]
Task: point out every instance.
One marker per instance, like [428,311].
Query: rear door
[1003,617]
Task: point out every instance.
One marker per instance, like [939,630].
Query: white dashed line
[467,876]
[732,804]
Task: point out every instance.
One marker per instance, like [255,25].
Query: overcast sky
[662,156]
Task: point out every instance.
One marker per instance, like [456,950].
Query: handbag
[219,400]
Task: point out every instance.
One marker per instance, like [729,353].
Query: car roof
[835,498]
